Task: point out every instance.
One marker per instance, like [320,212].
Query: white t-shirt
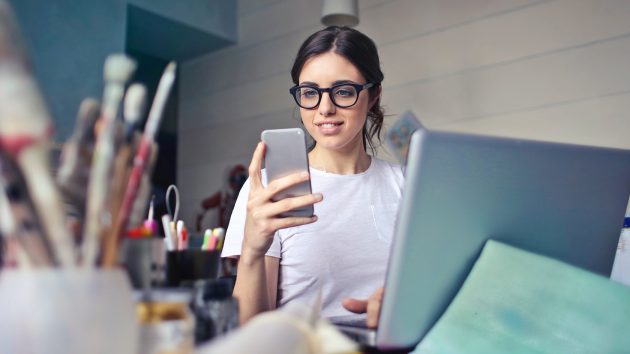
[345,251]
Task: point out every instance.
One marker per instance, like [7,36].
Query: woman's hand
[262,219]
[372,306]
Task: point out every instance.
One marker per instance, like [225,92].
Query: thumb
[355,305]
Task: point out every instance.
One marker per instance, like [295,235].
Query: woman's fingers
[355,305]
[267,226]
[371,306]
[283,223]
[282,206]
[255,166]
[374,308]
[278,185]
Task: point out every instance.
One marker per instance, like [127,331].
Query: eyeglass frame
[320,91]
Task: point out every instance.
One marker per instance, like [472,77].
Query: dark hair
[361,51]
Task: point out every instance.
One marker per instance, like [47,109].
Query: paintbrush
[140,162]
[136,216]
[118,69]
[20,220]
[133,111]
[76,156]
[25,130]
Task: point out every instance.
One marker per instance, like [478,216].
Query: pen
[182,236]
[168,235]
[206,239]
[219,233]
[149,223]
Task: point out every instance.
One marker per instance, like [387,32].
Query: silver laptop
[563,201]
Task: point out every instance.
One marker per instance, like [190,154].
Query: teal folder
[515,301]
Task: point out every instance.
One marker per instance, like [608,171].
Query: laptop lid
[560,200]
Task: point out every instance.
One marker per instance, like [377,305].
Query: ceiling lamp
[340,13]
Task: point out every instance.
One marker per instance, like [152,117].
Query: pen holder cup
[145,261]
[187,266]
[67,311]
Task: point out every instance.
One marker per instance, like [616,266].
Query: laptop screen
[559,200]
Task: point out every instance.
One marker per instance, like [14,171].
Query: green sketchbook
[514,301]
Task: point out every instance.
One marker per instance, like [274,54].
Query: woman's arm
[256,285]
[257,274]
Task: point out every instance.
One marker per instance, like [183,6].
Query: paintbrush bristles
[89,111]
[134,103]
[118,68]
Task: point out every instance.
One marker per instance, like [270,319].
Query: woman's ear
[375,97]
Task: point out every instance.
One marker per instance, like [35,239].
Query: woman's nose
[326,106]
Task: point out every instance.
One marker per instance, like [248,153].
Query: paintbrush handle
[159,102]
[19,219]
[110,252]
[33,162]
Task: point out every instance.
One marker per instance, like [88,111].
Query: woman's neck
[339,162]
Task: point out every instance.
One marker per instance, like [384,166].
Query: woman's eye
[309,93]
[344,92]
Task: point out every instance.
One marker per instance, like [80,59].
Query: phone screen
[286,154]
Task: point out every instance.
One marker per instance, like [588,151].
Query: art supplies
[219,234]
[76,157]
[33,204]
[118,69]
[184,267]
[182,236]
[169,239]
[150,223]
[140,163]
[25,130]
[21,221]
[209,241]
[175,212]
[133,111]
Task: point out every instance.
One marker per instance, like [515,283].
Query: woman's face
[333,127]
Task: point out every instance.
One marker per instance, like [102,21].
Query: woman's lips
[329,128]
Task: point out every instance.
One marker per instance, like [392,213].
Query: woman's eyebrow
[342,82]
[338,82]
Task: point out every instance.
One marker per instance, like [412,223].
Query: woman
[342,251]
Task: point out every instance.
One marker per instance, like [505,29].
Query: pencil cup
[186,266]
[144,259]
[67,311]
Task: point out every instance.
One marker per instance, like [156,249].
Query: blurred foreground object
[25,131]
[67,312]
[292,329]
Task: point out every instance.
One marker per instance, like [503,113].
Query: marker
[182,236]
[206,239]
[174,236]
[219,233]
[168,235]
[149,223]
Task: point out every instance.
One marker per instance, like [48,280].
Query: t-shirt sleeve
[236,229]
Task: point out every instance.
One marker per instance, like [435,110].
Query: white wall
[548,70]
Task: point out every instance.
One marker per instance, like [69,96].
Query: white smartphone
[286,154]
